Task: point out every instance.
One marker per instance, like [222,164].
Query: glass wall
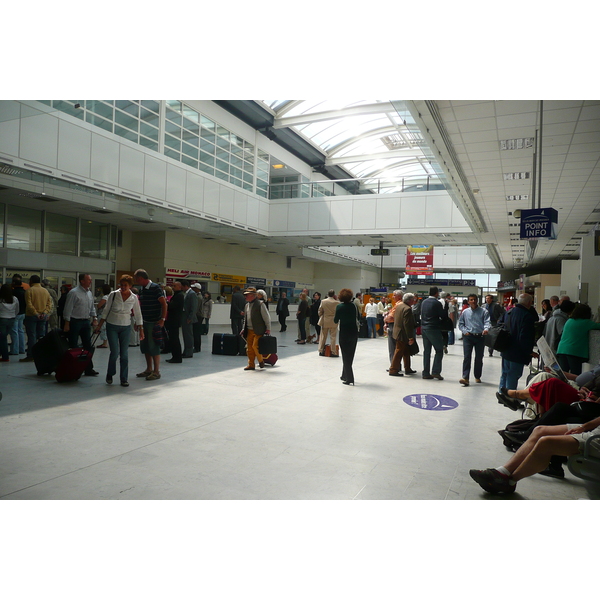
[94,239]
[24,229]
[60,234]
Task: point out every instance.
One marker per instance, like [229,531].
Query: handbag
[447,324]
[413,349]
[498,337]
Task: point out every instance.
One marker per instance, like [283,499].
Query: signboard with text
[230,279]
[185,274]
[419,260]
[539,223]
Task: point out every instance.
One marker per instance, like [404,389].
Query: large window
[60,234]
[24,229]
[94,239]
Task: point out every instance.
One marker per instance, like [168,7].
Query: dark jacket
[314,312]
[282,307]
[19,294]
[175,310]
[432,313]
[303,309]
[521,324]
[495,311]
[238,303]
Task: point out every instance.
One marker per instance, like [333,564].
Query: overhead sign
[430,402]
[380,251]
[442,282]
[419,260]
[187,274]
[284,284]
[257,282]
[539,223]
[235,279]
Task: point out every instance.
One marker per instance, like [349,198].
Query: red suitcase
[270,359]
[72,365]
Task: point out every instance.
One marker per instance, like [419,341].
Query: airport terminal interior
[285,195]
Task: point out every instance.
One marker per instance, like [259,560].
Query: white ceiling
[570,180]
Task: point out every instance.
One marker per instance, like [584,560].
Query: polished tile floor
[210,430]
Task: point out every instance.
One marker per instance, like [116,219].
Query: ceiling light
[519,175]
[516,144]
[517,197]
[278,166]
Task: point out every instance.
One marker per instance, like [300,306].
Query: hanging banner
[419,260]
[185,274]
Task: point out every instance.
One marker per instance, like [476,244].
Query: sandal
[143,374]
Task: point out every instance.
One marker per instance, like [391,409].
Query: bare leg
[148,362]
[156,363]
[519,394]
[534,455]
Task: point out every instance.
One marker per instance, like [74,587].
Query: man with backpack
[495,311]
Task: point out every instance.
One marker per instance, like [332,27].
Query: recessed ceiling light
[278,166]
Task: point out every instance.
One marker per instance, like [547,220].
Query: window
[24,229]
[94,239]
[60,234]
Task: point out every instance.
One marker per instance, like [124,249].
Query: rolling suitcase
[48,350]
[226,344]
[363,332]
[267,345]
[73,364]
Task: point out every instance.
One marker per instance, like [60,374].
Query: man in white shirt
[79,309]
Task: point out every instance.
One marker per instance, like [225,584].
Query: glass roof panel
[348,132]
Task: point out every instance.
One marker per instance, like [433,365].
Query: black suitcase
[363,332]
[49,350]
[225,343]
[267,344]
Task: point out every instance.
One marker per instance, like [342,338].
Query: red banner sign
[419,260]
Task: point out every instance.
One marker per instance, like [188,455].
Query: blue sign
[539,223]
[381,290]
[430,402]
[257,282]
[285,284]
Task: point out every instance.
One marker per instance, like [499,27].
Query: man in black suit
[432,316]
[282,310]
[236,312]
[190,307]
[175,313]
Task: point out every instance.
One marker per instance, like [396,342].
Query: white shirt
[118,311]
[371,309]
[9,311]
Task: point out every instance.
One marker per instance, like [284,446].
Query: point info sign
[539,223]
[419,260]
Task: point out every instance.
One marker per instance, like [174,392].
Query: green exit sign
[380,251]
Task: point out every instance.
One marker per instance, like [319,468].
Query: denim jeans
[17,336]
[511,373]
[372,327]
[6,326]
[36,329]
[118,342]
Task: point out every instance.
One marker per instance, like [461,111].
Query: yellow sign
[221,278]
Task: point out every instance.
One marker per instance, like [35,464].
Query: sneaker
[153,376]
[143,374]
[493,481]
[511,403]
[464,381]
[438,376]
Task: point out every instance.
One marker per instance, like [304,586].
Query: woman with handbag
[347,315]
[117,316]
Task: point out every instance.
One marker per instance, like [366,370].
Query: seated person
[549,391]
[534,455]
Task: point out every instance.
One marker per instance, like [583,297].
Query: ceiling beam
[400,153]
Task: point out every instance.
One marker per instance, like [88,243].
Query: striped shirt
[149,302]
